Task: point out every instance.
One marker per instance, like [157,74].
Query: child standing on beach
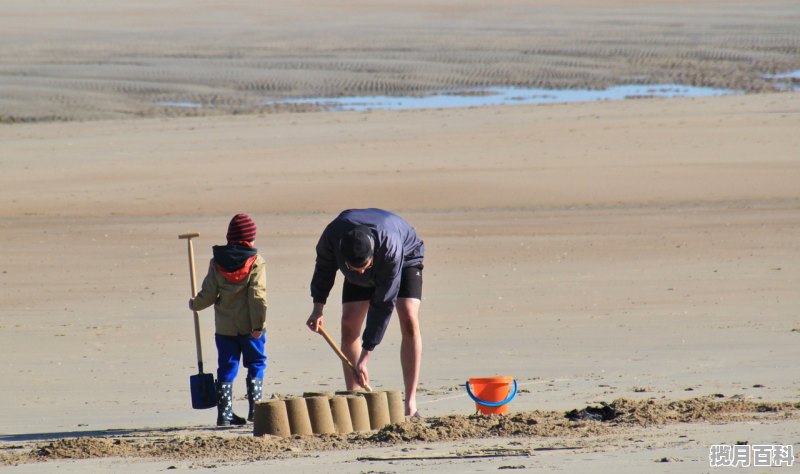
[236,285]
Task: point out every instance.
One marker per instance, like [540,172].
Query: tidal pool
[478,97]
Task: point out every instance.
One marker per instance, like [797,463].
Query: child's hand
[256,334]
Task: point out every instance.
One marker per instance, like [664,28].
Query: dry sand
[639,251]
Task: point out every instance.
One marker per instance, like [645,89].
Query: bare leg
[353,315]
[410,349]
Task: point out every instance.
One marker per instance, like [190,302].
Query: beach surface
[645,250]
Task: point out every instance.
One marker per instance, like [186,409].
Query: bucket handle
[493,404]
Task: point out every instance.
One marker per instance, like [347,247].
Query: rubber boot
[254,393]
[225,414]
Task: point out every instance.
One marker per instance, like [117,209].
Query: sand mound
[232,445]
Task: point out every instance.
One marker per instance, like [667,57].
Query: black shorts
[410,287]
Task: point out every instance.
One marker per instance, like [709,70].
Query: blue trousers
[230,349]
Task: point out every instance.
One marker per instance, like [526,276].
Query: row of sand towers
[328,413]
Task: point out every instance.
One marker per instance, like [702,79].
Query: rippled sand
[95,60]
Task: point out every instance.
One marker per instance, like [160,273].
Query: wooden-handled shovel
[341,354]
[204,393]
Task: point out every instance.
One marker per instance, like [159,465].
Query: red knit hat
[241,229]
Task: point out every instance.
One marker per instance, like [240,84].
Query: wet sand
[86,60]
[637,250]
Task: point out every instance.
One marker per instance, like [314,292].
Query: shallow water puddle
[185,105]
[787,81]
[478,97]
[503,96]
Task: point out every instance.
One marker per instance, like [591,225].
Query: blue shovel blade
[204,393]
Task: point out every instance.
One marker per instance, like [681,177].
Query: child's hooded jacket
[236,285]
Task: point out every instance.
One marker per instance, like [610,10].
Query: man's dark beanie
[357,246]
[241,229]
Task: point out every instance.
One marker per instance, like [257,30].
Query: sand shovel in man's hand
[204,392]
[341,355]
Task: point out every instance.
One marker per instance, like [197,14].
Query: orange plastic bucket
[492,394]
